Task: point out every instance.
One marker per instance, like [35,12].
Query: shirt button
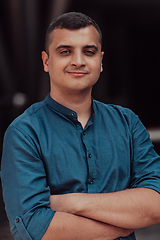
[89,155]
[73,114]
[17,220]
[91,181]
[84,133]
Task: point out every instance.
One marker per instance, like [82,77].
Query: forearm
[132,208]
[71,227]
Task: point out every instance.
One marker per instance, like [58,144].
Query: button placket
[87,141]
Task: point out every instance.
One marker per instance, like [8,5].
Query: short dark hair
[71,21]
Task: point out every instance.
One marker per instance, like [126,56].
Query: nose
[78,59]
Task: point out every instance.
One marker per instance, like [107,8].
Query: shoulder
[121,119]
[115,112]
[111,107]
[29,119]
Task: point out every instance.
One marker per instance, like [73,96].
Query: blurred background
[131,42]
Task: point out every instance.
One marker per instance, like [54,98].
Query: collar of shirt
[68,113]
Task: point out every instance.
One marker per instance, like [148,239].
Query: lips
[78,73]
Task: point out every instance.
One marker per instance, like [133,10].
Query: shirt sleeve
[145,164]
[25,190]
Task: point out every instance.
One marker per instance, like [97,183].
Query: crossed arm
[106,215]
[65,226]
[131,208]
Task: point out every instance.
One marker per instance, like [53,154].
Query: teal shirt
[46,151]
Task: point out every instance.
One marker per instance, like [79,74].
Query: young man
[72,167]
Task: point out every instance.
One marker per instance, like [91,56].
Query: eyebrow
[91,46]
[63,46]
[68,46]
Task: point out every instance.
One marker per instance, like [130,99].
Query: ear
[102,54]
[45,61]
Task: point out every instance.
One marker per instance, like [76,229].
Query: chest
[94,160]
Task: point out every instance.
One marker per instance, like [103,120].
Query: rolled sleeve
[25,190]
[145,169]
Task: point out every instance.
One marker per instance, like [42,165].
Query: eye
[89,52]
[65,52]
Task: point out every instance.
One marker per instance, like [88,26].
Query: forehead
[78,37]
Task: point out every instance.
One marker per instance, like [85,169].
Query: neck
[80,103]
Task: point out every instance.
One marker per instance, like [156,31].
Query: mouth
[77,73]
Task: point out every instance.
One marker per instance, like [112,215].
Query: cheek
[95,64]
[59,64]
[96,68]
[96,73]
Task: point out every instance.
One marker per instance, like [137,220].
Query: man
[72,167]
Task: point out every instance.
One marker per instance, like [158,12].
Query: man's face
[75,60]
